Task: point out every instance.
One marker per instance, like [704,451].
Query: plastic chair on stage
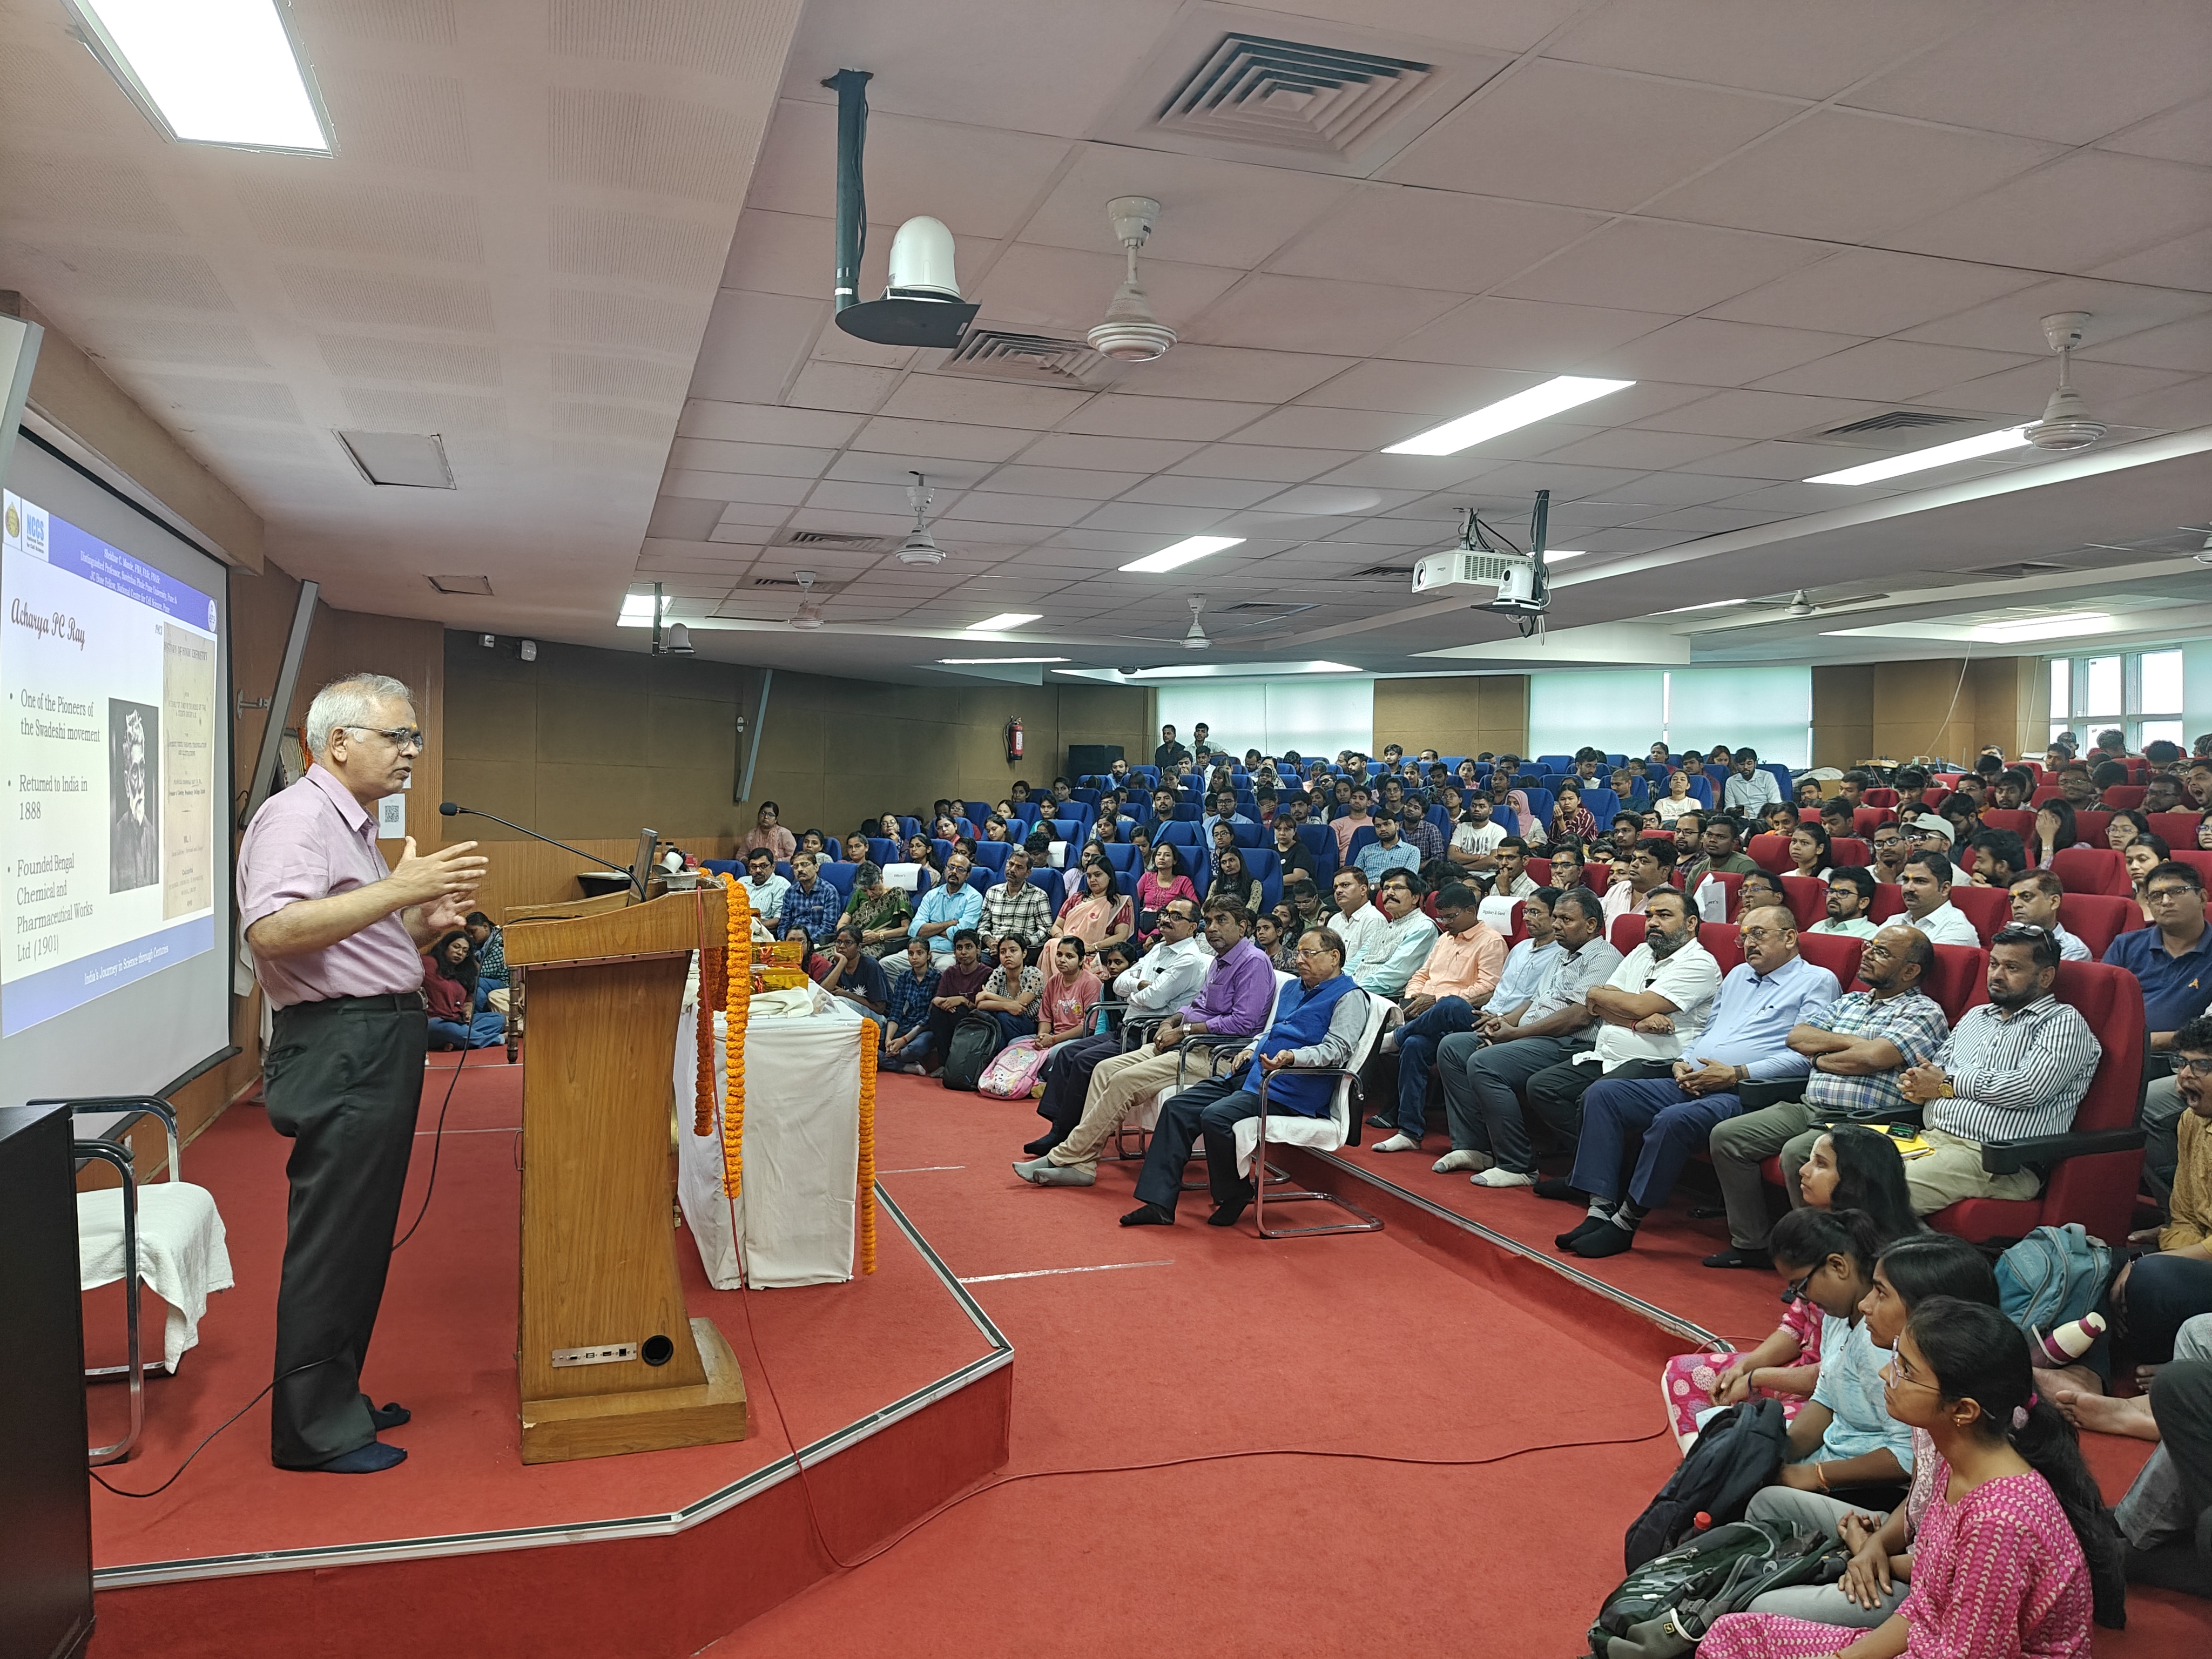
[1339,1128]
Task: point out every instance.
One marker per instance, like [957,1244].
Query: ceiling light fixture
[1182,553]
[637,610]
[2045,627]
[1235,671]
[215,72]
[1553,554]
[965,662]
[1522,409]
[1003,621]
[1131,332]
[1920,460]
[2066,423]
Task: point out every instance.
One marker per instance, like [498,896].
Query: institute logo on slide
[15,526]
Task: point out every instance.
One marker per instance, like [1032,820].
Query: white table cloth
[796,1214]
[183,1256]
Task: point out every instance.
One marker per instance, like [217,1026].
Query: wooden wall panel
[1454,714]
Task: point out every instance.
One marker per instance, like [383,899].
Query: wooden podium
[608,1360]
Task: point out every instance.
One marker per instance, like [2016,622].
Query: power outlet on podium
[606,1354]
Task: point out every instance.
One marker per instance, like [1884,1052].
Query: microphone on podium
[453,810]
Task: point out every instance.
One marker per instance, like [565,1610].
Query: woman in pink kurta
[1998,1568]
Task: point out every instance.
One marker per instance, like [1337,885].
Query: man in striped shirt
[2015,1067]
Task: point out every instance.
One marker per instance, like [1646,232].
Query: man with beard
[1859,1046]
[2015,1067]
[133,858]
[1851,898]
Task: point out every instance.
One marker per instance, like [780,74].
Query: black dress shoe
[1376,1121]
[1734,1256]
[1707,1212]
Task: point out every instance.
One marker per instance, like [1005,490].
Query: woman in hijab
[1523,821]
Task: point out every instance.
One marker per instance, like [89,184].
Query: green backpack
[1664,1608]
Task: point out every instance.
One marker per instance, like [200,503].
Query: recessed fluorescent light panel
[1190,548]
[966,662]
[2045,627]
[1965,449]
[1552,556]
[1538,402]
[1004,620]
[637,610]
[212,72]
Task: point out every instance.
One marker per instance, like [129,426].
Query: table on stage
[795,1215]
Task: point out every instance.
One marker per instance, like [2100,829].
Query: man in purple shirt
[1234,1002]
[337,937]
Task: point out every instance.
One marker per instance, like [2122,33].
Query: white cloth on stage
[797,1212]
[183,1256]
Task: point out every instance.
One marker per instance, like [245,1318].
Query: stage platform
[1421,1440]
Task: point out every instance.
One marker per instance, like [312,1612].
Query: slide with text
[107,692]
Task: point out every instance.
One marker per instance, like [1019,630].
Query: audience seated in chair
[946,910]
[2172,960]
[1318,1023]
[2161,1290]
[849,973]
[2035,898]
[1394,948]
[1858,1047]
[2013,1068]
[1458,979]
[1773,991]
[1011,995]
[1925,882]
[764,889]
[1848,904]
[1642,869]
[1239,989]
[959,982]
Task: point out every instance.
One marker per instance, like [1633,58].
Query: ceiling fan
[920,547]
[1193,640]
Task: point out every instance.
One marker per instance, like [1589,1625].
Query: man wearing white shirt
[764,889]
[1925,882]
[1657,999]
[1512,879]
[1748,788]
[1395,951]
[1475,837]
[1850,903]
[2035,898]
[1356,919]
[1648,869]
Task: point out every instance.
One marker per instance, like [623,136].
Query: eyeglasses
[2194,1065]
[1793,1292]
[2167,895]
[399,737]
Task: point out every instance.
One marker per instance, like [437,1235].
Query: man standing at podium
[336,937]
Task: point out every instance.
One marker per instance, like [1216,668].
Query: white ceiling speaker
[2066,423]
[1131,333]
[920,547]
[1196,640]
[809,614]
[1801,605]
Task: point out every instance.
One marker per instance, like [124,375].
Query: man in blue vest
[1318,1022]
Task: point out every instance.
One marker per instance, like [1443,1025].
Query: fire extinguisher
[1013,740]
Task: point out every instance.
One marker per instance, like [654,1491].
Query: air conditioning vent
[832,538]
[774,581]
[1284,94]
[1004,354]
[2024,569]
[1267,607]
[461,583]
[1383,572]
[1895,429]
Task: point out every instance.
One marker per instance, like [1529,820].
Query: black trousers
[1555,1094]
[1208,1111]
[344,1079]
[1067,1077]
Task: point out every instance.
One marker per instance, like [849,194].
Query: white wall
[1312,714]
[1626,711]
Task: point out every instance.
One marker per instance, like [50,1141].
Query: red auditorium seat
[1849,849]
[2199,861]
[1987,907]
[1880,798]
[2091,826]
[1808,899]
[2122,796]
[2176,829]
[2091,869]
[2043,793]
[2019,821]
[1517,930]
[1889,902]
[1959,980]
[1597,875]
[1770,854]
[2094,1168]
[1627,933]
[2098,918]
[1868,819]
[1730,882]
[1721,938]
[1836,952]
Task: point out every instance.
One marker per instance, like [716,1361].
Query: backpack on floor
[2054,1274]
[1735,1455]
[1664,1606]
[975,1040]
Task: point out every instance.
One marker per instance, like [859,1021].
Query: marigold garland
[869,1037]
[738,993]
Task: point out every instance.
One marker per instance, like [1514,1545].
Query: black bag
[975,1040]
[1734,1456]
[1665,1606]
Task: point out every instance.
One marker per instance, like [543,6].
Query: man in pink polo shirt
[336,937]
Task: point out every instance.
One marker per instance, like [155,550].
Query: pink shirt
[307,842]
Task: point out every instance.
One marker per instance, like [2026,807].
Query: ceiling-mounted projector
[1522,589]
[2067,423]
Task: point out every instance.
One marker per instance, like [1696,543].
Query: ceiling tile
[1112,414]
[1644,264]
[1704,352]
[2185,262]
[1211,212]
[1138,517]
[1205,371]
[1261,462]
[766,423]
[946,478]
[2174,408]
[1789,462]
[1333,428]
[736,487]
[1791,500]
[1305,313]
[2013,324]
[753,343]
[1402,388]
[1076,483]
[839,496]
[1168,490]
[1705,520]
[981,402]
[2024,391]
[2070,74]
[1752,415]
[1890,370]
[1525,334]
[1633,447]
[1550,131]
[2083,211]
[842,385]
[989,508]
[1064,291]
[1433,238]
[2178,134]
[1848,176]
[1659,490]
[950,440]
[2186,344]
[1807,50]
[1116,454]
[1420,472]
[1873,292]
[781,253]
[1519,481]
[781,460]
[743,520]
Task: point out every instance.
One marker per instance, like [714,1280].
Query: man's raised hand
[450,873]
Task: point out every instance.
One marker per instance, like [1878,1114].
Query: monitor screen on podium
[115,917]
